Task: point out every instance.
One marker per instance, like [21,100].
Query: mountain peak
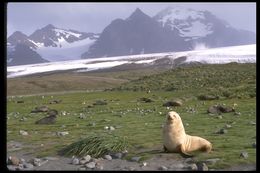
[138,10]
[180,13]
[49,26]
[18,33]
[138,14]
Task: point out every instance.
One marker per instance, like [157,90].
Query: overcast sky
[94,17]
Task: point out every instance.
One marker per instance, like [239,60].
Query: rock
[82,116]
[75,161]
[176,166]
[202,167]
[254,145]
[28,165]
[36,162]
[192,167]
[219,117]
[11,167]
[131,168]
[146,100]
[91,165]
[212,161]
[189,160]
[99,167]
[13,160]
[111,128]
[124,153]
[244,155]
[86,158]
[222,131]
[55,101]
[62,133]
[94,160]
[135,159]
[83,162]
[117,155]
[252,123]
[90,106]
[53,112]
[40,109]
[225,109]
[173,103]
[108,157]
[51,158]
[23,119]
[144,164]
[213,110]
[20,167]
[106,127]
[237,113]
[22,161]
[217,109]
[24,133]
[207,97]
[64,113]
[47,120]
[163,168]
[228,126]
[81,169]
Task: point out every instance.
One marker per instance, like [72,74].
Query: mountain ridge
[171,29]
[177,29]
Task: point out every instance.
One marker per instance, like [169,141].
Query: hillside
[221,79]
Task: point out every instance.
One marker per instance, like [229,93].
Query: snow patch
[67,51]
[66,33]
[197,29]
[240,54]
[37,43]
[180,13]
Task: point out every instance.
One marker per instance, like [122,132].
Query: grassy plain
[141,122]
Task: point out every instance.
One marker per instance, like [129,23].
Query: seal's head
[173,117]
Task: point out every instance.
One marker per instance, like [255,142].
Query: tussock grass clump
[96,146]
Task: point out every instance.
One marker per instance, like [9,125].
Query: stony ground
[160,162]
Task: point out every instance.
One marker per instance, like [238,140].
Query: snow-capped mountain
[190,24]
[239,54]
[21,54]
[198,26]
[137,34]
[50,36]
[172,29]
[52,43]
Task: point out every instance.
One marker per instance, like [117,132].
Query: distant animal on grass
[51,119]
[40,109]
[176,140]
[52,112]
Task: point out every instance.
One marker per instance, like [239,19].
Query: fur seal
[51,119]
[176,140]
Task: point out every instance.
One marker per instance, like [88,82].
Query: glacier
[221,55]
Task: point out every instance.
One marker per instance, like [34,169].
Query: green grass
[141,122]
[226,80]
[96,145]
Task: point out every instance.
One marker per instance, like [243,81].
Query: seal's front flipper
[183,152]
